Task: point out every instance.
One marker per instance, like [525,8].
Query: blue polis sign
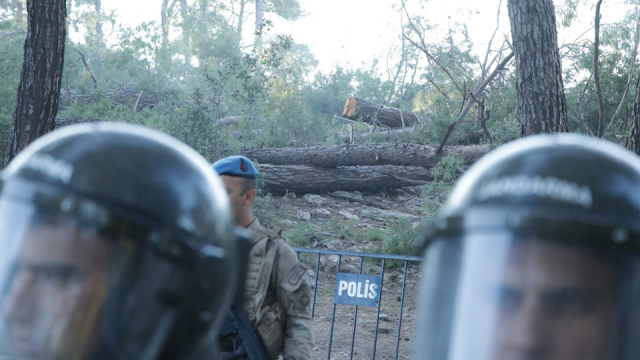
[353,289]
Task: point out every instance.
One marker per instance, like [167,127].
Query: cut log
[60,122]
[225,121]
[128,94]
[358,109]
[386,134]
[278,179]
[365,154]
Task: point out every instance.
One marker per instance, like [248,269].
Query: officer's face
[55,300]
[236,188]
[554,302]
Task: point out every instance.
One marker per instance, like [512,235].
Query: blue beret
[236,166]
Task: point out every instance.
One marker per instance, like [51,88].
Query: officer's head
[536,256]
[116,242]
[239,176]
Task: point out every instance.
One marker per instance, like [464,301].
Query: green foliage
[445,173]
[327,94]
[376,234]
[302,235]
[263,207]
[403,239]
[287,9]
[11,55]
[195,126]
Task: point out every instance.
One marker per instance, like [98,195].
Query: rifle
[248,343]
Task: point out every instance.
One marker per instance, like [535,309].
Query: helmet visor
[501,296]
[71,292]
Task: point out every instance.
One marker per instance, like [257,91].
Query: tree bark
[633,140]
[541,102]
[358,109]
[41,78]
[126,95]
[241,18]
[186,35]
[61,122]
[370,154]
[596,71]
[99,32]
[278,179]
[259,14]
[387,134]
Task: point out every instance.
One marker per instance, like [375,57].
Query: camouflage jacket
[277,296]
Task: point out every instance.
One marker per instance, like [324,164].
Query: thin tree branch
[596,74]
[476,93]
[423,48]
[444,93]
[486,57]
[631,72]
[86,66]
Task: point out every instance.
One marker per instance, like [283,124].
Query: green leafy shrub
[402,239]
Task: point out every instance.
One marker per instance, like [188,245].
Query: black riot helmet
[116,243]
[536,255]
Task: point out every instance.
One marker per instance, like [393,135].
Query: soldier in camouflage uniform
[277,296]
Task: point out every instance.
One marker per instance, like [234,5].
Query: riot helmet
[536,256]
[116,243]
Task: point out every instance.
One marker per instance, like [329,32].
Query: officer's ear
[250,195]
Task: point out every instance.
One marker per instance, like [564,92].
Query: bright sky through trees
[350,32]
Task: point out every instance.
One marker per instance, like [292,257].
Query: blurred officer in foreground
[536,256]
[277,294]
[116,243]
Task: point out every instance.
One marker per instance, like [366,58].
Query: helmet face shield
[497,295]
[71,292]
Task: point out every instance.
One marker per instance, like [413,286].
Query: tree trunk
[41,78]
[390,134]
[128,94]
[278,179]
[358,109]
[184,14]
[541,102]
[19,15]
[259,14]
[241,19]
[61,122]
[370,154]
[633,141]
[164,22]
[99,31]
[204,15]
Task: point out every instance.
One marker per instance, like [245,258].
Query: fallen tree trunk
[366,154]
[225,121]
[358,109]
[386,134]
[60,122]
[126,95]
[278,179]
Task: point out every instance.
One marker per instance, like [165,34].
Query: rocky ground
[371,223]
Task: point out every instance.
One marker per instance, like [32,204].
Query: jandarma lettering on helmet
[536,186]
[51,166]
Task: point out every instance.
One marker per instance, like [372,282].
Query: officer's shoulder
[271,234]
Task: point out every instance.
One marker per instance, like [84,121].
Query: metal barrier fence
[362,256]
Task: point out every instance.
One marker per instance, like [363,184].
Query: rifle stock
[248,343]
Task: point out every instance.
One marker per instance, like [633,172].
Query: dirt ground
[362,347]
